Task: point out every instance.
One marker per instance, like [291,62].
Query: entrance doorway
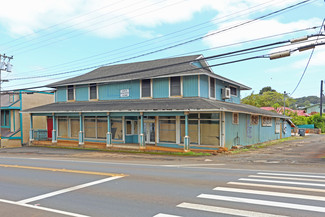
[149,131]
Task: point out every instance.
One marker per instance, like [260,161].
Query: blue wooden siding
[160,88]
[219,86]
[112,90]
[197,64]
[61,94]
[190,86]
[204,86]
[82,92]
[246,134]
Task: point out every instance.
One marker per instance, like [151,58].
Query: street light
[5,65]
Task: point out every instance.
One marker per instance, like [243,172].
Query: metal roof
[151,105]
[144,70]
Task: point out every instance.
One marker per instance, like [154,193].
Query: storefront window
[101,128]
[167,129]
[74,127]
[117,129]
[209,132]
[192,131]
[128,127]
[63,127]
[90,127]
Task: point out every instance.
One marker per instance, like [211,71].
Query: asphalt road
[57,182]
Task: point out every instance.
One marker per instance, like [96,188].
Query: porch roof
[150,105]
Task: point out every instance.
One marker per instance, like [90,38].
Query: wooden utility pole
[321,99]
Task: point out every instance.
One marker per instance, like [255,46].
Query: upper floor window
[175,86]
[146,88]
[93,91]
[212,88]
[233,91]
[70,92]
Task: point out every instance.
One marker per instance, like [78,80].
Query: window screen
[175,86]
[93,91]
[146,88]
[70,92]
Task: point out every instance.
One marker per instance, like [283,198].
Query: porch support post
[186,137]
[142,142]
[108,134]
[54,135]
[81,132]
[31,130]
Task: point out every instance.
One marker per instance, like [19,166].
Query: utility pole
[321,99]
[284,102]
[4,66]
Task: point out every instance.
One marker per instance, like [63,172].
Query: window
[146,88]
[277,125]
[5,118]
[62,127]
[212,88]
[233,91]
[175,86]
[209,129]
[74,127]
[70,92]
[95,127]
[203,129]
[93,91]
[266,121]
[235,118]
[254,120]
[128,127]
[117,129]
[167,129]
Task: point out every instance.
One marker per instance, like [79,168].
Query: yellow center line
[62,170]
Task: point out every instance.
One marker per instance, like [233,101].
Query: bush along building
[176,102]
[15,125]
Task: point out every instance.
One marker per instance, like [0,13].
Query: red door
[49,128]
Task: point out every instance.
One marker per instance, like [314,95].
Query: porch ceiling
[150,105]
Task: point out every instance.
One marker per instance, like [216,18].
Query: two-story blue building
[175,102]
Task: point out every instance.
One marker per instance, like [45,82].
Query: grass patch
[264,145]
[158,152]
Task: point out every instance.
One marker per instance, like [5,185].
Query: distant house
[15,125]
[177,102]
[315,109]
[280,110]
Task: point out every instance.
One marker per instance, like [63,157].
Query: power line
[128,47]
[309,59]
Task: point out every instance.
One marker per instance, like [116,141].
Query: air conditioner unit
[226,93]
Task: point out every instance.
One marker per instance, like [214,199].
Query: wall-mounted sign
[124,93]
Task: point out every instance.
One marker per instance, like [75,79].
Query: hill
[307,101]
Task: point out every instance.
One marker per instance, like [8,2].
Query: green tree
[266,89]
[267,99]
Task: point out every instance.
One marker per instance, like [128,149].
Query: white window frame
[96,92]
[151,92]
[231,86]
[181,87]
[210,88]
[74,93]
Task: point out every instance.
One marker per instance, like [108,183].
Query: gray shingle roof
[144,70]
[149,105]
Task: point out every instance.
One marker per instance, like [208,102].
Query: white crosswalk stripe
[263,189]
[270,193]
[223,210]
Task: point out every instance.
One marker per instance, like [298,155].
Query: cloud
[254,30]
[116,17]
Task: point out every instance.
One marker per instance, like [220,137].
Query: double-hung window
[70,92]
[93,91]
[233,91]
[146,88]
[175,86]
[212,88]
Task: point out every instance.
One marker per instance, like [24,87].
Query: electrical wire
[309,59]
[128,46]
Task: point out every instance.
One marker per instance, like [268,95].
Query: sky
[57,39]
